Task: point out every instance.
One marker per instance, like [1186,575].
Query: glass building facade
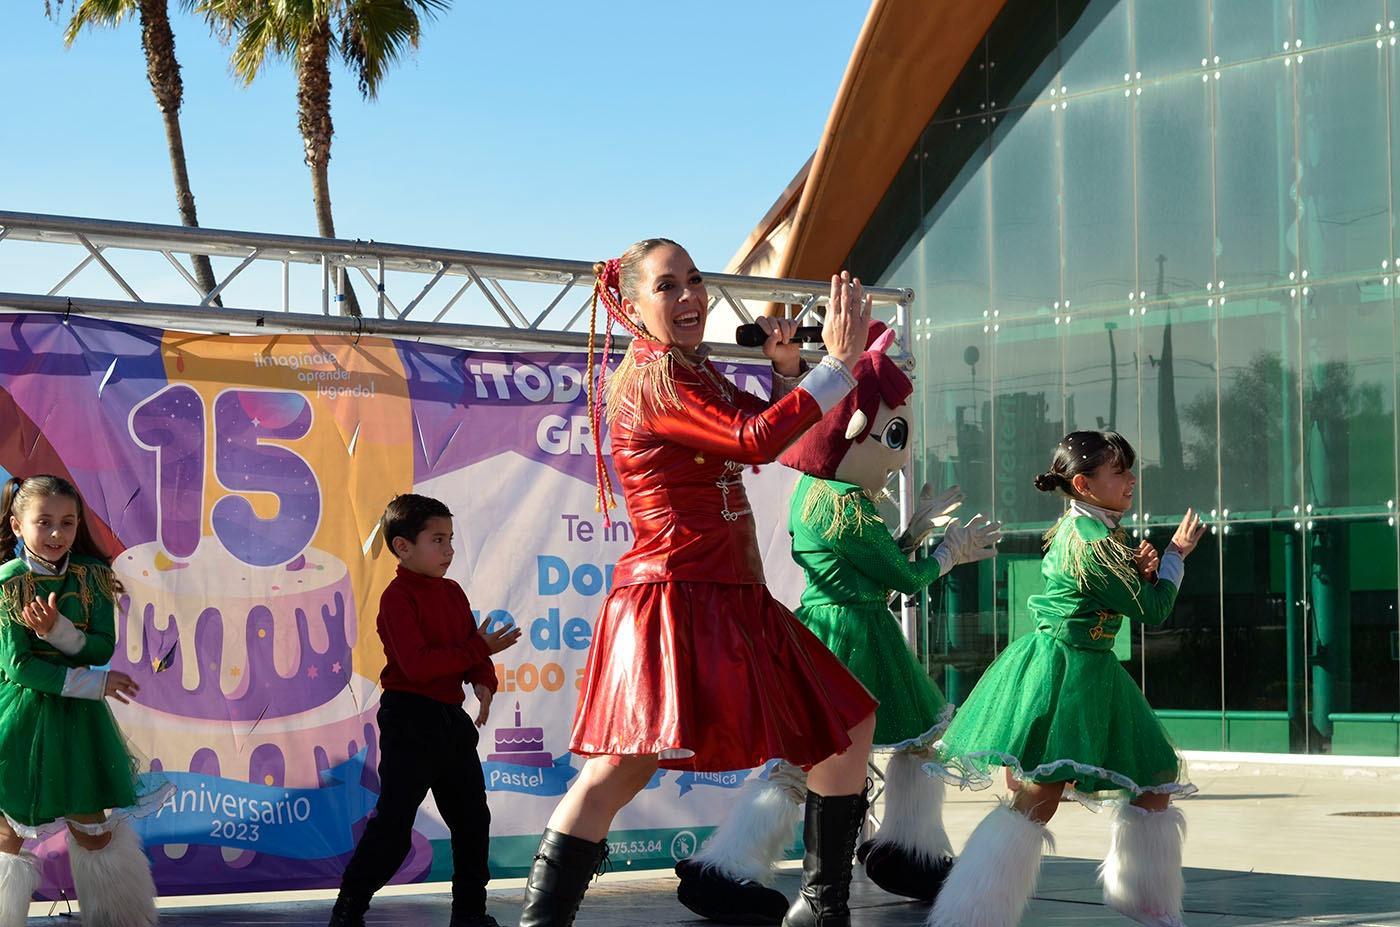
[1176,219]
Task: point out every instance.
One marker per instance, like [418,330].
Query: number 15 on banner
[172,423]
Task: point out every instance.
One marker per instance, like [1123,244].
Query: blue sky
[553,128]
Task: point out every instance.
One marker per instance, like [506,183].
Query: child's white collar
[1107,517]
[43,567]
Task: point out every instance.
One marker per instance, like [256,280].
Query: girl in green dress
[62,759]
[1057,709]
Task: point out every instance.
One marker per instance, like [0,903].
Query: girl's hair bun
[1047,482]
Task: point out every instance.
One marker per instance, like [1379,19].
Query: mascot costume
[852,566]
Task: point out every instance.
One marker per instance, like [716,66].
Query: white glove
[929,513]
[65,637]
[968,543]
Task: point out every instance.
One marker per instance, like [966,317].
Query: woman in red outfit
[694,665]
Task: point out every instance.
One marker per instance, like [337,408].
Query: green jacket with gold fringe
[1092,584]
[86,596]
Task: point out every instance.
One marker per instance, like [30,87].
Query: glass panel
[1263,601]
[1394,138]
[951,276]
[1176,454]
[1029,420]
[1170,36]
[1245,29]
[1094,48]
[1101,374]
[1349,397]
[961,632]
[1175,221]
[954,442]
[1259,405]
[1322,22]
[1181,656]
[1023,58]
[1256,216]
[1345,155]
[1354,671]
[968,95]
[1100,265]
[1025,233]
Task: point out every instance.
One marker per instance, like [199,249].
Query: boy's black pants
[425,744]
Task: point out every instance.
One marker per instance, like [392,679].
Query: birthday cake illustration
[221,639]
[246,674]
[520,746]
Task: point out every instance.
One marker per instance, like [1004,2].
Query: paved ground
[1067,896]
[1269,844]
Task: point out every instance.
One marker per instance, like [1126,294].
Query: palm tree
[163,71]
[369,35]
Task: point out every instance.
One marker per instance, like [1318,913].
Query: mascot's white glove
[929,513]
[967,543]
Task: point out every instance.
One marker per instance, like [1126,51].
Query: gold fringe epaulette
[843,513]
[646,387]
[14,594]
[1107,556]
[104,581]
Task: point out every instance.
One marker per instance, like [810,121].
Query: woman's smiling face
[671,299]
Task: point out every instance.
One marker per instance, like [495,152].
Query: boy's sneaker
[474,920]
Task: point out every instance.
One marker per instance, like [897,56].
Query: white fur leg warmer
[114,884]
[913,819]
[19,877]
[992,880]
[762,823]
[1142,874]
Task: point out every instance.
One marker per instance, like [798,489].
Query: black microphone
[752,336]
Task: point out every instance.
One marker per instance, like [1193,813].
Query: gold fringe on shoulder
[1107,557]
[647,386]
[15,594]
[843,513]
[104,582]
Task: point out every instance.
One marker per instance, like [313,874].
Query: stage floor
[1067,895]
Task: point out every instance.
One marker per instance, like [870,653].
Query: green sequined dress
[61,755]
[1056,705]
[851,564]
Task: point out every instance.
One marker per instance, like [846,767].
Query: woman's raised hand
[847,319]
[1188,533]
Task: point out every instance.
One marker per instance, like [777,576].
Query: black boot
[899,872]
[832,824]
[349,911]
[718,896]
[564,866]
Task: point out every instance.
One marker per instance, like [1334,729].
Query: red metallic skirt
[712,677]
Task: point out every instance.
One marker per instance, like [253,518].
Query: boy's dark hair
[1084,452]
[406,514]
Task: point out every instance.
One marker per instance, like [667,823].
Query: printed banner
[240,481]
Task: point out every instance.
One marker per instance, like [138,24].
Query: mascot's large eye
[895,434]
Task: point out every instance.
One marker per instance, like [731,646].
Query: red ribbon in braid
[607,286]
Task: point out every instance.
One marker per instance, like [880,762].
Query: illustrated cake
[217,638]
[246,674]
[520,746]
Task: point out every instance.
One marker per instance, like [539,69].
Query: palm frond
[94,13]
[375,34]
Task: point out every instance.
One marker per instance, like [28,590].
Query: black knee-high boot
[563,867]
[833,823]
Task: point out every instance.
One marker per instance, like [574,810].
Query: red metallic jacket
[681,470]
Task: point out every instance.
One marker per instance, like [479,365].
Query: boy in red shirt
[426,740]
